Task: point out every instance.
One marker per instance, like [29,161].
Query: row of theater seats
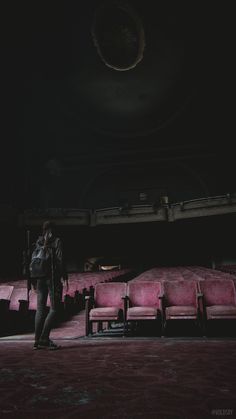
[164,294]
[183,273]
[17,308]
[231,269]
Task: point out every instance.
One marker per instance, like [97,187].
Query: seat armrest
[89,302]
[162,302]
[125,299]
[24,304]
[201,305]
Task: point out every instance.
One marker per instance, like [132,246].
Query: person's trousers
[44,319]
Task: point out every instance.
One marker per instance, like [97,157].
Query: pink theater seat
[219,299]
[18,298]
[143,301]
[106,305]
[6,292]
[181,301]
[5,297]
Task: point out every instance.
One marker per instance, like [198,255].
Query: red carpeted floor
[130,378]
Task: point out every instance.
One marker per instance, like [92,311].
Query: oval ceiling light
[118,35]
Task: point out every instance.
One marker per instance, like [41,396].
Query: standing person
[47,268]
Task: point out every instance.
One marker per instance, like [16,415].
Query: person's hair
[48,225]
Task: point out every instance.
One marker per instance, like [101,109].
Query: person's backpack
[41,262]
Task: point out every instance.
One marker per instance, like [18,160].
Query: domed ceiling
[101,84]
[135,70]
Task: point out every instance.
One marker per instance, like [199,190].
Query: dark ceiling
[66,114]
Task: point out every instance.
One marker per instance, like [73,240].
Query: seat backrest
[109,294]
[144,294]
[18,294]
[6,292]
[218,292]
[180,293]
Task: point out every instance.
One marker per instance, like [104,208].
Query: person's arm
[27,255]
[61,261]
